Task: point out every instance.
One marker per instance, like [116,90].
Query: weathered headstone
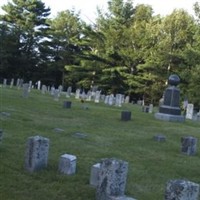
[67,164]
[94,175]
[112,179]
[189,111]
[30,86]
[38,85]
[127,99]
[111,99]
[44,89]
[106,100]
[126,115]
[181,190]
[77,95]
[189,145]
[37,149]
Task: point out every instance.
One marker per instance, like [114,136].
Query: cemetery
[56,144]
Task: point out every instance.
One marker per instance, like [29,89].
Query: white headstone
[189,111]
[67,164]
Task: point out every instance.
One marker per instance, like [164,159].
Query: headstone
[56,95]
[25,90]
[145,109]
[1,135]
[67,164]
[126,115]
[21,81]
[111,99]
[118,101]
[30,86]
[106,101]
[89,96]
[127,99]
[150,108]
[67,104]
[94,175]
[38,85]
[69,91]
[77,95]
[18,82]
[159,138]
[170,109]
[60,88]
[36,153]
[44,89]
[189,111]
[11,82]
[4,82]
[189,145]
[181,190]
[52,90]
[97,96]
[112,179]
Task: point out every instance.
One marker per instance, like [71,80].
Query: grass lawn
[151,163]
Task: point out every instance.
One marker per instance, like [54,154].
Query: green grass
[151,164]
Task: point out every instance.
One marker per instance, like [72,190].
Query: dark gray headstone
[112,179]
[170,109]
[159,138]
[189,145]
[67,104]
[181,190]
[126,115]
[1,135]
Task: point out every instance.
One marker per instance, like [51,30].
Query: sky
[88,7]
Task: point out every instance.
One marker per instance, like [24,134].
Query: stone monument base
[169,118]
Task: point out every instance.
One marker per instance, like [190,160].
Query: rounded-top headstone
[173,80]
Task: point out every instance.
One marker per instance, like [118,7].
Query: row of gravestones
[108,176]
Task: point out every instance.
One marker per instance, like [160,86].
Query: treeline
[127,50]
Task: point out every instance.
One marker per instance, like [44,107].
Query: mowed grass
[151,163]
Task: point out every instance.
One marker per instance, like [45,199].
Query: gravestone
[150,108]
[126,115]
[94,175]
[69,91]
[106,100]
[38,85]
[111,99]
[67,104]
[127,99]
[159,138]
[118,101]
[44,89]
[36,157]
[52,90]
[4,82]
[56,95]
[77,95]
[18,82]
[25,90]
[97,96]
[189,111]
[67,164]
[11,82]
[189,145]
[30,86]
[112,179]
[170,109]
[181,190]
[1,135]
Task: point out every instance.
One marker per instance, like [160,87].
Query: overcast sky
[88,7]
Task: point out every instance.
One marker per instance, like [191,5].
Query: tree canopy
[127,50]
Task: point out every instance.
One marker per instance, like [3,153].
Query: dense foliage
[128,49]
